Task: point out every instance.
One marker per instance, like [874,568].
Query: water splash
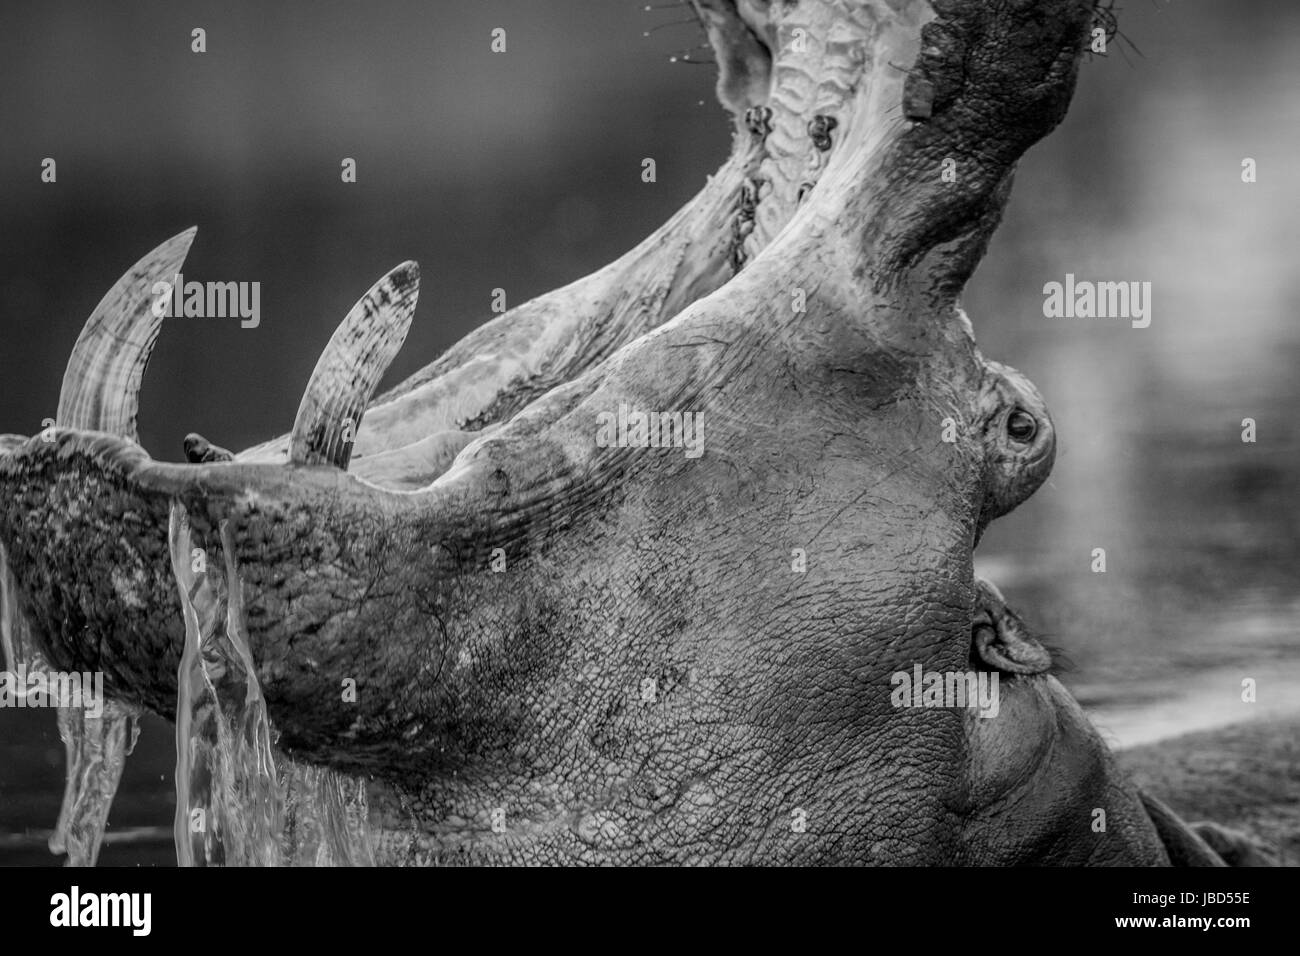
[239,802]
[228,800]
[96,747]
[327,818]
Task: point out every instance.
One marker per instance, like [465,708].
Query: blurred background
[522,171]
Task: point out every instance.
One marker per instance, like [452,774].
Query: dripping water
[238,801]
[228,805]
[327,818]
[96,747]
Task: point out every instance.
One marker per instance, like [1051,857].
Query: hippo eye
[1021,426]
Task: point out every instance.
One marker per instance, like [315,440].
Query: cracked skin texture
[523,690]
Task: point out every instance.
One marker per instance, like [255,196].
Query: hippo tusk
[100,392]
[101,384]
[349,369]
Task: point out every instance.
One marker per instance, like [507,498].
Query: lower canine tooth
[101,384]
[350,368]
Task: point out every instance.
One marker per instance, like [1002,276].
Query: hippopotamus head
[637,653]
[610,584]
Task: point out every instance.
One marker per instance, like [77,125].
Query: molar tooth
[101,384]
[350,368]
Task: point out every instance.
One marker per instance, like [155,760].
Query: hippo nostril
[1021,426]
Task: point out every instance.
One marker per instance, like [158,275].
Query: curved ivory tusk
[101,384]
[350,368]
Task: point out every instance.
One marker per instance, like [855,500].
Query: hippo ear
[1000,638]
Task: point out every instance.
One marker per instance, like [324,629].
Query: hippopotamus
[541,639]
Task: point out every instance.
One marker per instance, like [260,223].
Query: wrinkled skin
[533,677]
[679,656]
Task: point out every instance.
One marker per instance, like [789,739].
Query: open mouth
[418,586]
